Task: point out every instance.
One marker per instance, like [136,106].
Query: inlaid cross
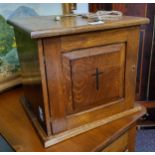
[97,77]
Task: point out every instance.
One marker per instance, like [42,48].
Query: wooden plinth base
[51,140]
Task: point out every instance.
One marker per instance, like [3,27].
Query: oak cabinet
[77,76]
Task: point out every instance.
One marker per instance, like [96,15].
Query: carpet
[145,140]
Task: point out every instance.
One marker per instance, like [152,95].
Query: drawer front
[119,145]
[91,73]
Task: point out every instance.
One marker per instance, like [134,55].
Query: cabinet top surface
[46,26]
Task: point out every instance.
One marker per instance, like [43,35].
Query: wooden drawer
[119,145]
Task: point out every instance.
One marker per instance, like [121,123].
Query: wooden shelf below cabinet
[18,130]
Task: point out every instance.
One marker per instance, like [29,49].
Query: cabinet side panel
[31,76]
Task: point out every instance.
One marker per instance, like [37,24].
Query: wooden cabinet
[77,76]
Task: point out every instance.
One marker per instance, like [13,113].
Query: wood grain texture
[131,66]
[13,118]
[55,82]
[51,140]
[81,129]
[93,39]
[48,27]
[85,88]
[119,145]
[132,142]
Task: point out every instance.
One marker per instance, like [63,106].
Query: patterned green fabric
[9,64]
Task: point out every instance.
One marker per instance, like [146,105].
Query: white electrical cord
[104,15]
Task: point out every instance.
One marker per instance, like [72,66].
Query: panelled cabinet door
[94,76]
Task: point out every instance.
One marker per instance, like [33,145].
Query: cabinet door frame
[84,58]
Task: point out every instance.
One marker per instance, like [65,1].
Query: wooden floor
[18,130]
